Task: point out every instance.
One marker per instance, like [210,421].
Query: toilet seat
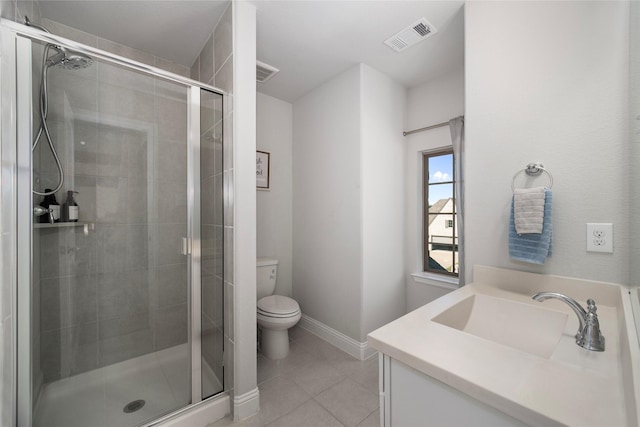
[278,306]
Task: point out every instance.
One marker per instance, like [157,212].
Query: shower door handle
[186,246]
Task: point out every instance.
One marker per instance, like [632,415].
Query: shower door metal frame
[194,241]
[8,206]
[17,135]
[24,199]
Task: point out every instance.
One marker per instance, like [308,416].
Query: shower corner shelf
[60,224]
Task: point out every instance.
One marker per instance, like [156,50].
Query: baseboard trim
[246,405]
[359,350]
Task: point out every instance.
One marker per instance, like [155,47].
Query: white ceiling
[309,41]
[312,41]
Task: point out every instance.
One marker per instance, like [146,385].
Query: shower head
[69,59]
[75,60]
[65,58]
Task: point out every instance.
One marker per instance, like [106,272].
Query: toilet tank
[266,271]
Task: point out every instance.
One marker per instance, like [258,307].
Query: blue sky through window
[440,170]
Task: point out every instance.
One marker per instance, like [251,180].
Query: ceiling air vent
[264,72]
[411,35]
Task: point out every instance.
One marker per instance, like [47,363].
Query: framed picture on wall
[262,170]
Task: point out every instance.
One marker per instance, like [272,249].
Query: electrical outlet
[600,237]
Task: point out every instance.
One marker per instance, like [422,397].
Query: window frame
[426,155]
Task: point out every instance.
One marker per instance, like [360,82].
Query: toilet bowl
[275,313]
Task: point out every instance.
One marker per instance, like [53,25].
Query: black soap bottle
[50,202]
[70,209]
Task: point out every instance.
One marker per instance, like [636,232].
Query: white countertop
[572,386]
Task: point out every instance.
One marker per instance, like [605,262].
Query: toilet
[276,313]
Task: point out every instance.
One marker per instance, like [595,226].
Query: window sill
[445,282]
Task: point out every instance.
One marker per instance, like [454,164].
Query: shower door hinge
[186,246]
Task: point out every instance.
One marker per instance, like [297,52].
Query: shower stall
[120,285]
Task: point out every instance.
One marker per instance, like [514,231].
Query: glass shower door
[111,299]
[211,216]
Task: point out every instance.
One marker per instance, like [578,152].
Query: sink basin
[521,326]
[490,341]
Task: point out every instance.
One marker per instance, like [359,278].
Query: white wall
[436,101]
[348,244]
[546,84]
[326,203]
[245,391]
[274,206]
[382,160]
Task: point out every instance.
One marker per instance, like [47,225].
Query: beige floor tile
[304,337]
[364,373]
[320,348]
[346,389]
[293,332]
[315,377]
[372,420]
[348,364]
[297,356]
[267,369]
[309,414]
[278,397]
[349,402]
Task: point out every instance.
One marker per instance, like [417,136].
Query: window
[440,240]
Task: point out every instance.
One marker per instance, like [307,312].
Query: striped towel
[528,209]
[532,248]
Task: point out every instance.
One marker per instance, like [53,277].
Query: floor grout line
[307,349]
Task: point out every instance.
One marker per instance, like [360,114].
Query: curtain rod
[439,125]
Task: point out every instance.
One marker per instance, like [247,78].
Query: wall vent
[264,72]
[414,33]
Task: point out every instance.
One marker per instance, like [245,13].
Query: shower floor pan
[97,398]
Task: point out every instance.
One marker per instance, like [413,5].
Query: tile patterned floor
[316,385]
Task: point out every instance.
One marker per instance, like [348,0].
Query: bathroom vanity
[487,354]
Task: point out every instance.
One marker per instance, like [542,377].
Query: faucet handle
[40,210]
[591,337]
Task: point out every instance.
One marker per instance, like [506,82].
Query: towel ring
[532,169]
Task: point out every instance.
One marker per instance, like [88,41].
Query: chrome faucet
[39,210]
[589,335]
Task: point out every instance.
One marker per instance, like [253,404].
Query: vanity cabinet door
[415,399]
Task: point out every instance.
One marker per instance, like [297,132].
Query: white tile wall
[215,177]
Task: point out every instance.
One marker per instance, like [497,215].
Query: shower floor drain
[133,406]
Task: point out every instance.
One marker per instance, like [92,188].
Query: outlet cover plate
[600,237]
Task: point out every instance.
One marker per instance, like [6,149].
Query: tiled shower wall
[116,288]
[214,66]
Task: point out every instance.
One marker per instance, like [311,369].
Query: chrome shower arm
[28,22]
